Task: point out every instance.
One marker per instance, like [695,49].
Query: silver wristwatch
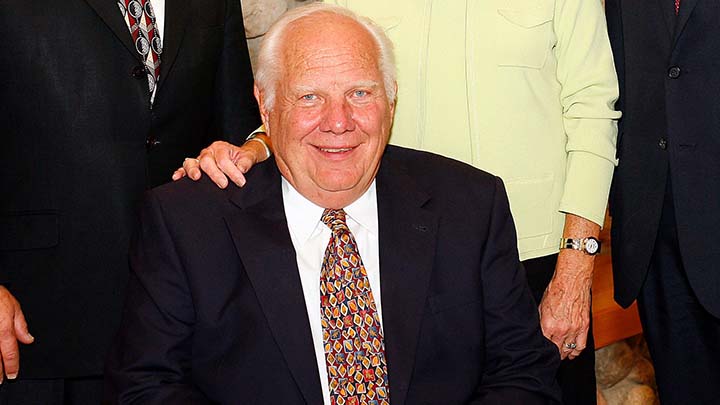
[589,245]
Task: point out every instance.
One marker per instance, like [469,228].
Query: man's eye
[309,97]
[360,93]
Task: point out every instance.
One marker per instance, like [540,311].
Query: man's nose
[337,117]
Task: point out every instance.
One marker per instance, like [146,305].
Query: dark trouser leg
[72,391]
[576,377]
[683,338]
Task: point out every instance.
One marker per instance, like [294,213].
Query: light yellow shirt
[524,89]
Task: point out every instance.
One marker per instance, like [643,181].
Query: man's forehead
[342,53]
[340,59]
[324,35]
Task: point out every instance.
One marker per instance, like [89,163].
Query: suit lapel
[259,230]
[110,13]
[686,9]
[407,247]
[177,13]
[407,250]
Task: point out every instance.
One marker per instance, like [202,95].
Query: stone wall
[259,16]
[625,375]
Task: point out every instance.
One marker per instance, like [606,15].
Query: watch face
[592,246]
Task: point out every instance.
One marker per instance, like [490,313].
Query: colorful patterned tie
[677,7]
[140,19]
[352,333]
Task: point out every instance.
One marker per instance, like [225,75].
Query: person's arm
[589,91]
[565,307]
[222,160]
[520,363]
[13,329]
[150,360]
[236,110]
[615,27]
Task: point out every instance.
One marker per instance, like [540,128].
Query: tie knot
[334,219]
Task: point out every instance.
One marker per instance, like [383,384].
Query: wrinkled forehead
[328,41]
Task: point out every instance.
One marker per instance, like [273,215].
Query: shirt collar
[303,215]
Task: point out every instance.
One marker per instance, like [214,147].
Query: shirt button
[662,143]
[674,72]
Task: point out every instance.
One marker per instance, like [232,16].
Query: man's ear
[394,101]
[260,97]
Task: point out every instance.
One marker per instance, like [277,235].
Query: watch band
[589,245]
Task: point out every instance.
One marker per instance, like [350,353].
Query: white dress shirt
[159,9]
[310,238]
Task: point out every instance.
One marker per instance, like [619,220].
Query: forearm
[587,186]
[259,144]
[519,360]
[589,89]
[151,357]
[574,264]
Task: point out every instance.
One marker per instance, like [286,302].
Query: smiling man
[345,272]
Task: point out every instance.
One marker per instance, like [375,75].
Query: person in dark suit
[665,200]
[236,295]
[83,137]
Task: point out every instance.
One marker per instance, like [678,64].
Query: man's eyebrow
[366,83]
[303,89]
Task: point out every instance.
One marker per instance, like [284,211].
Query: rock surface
[625,375]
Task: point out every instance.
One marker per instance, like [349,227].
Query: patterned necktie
[677,7]
[140,19]
[352,334]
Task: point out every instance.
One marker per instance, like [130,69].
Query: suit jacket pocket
[524,37]
[445,302]
[28,230]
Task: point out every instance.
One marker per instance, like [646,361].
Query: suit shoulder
[187,195]
[429,168]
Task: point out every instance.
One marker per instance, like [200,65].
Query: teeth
[335,150]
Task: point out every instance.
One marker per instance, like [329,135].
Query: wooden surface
[611,322]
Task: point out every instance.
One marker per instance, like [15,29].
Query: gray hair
[269,64]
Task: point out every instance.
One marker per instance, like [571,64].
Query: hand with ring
[222,160]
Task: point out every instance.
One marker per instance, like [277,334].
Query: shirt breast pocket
[523,37]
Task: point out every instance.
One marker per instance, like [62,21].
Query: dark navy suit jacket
[81,145]
[216,314]
[668,68]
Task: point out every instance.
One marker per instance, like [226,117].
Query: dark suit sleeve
[615,28]
[149,362]
[236,108]
[521,364]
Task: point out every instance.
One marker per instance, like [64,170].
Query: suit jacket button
[151,142]
[674,72]
[662,143]
[138,72]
